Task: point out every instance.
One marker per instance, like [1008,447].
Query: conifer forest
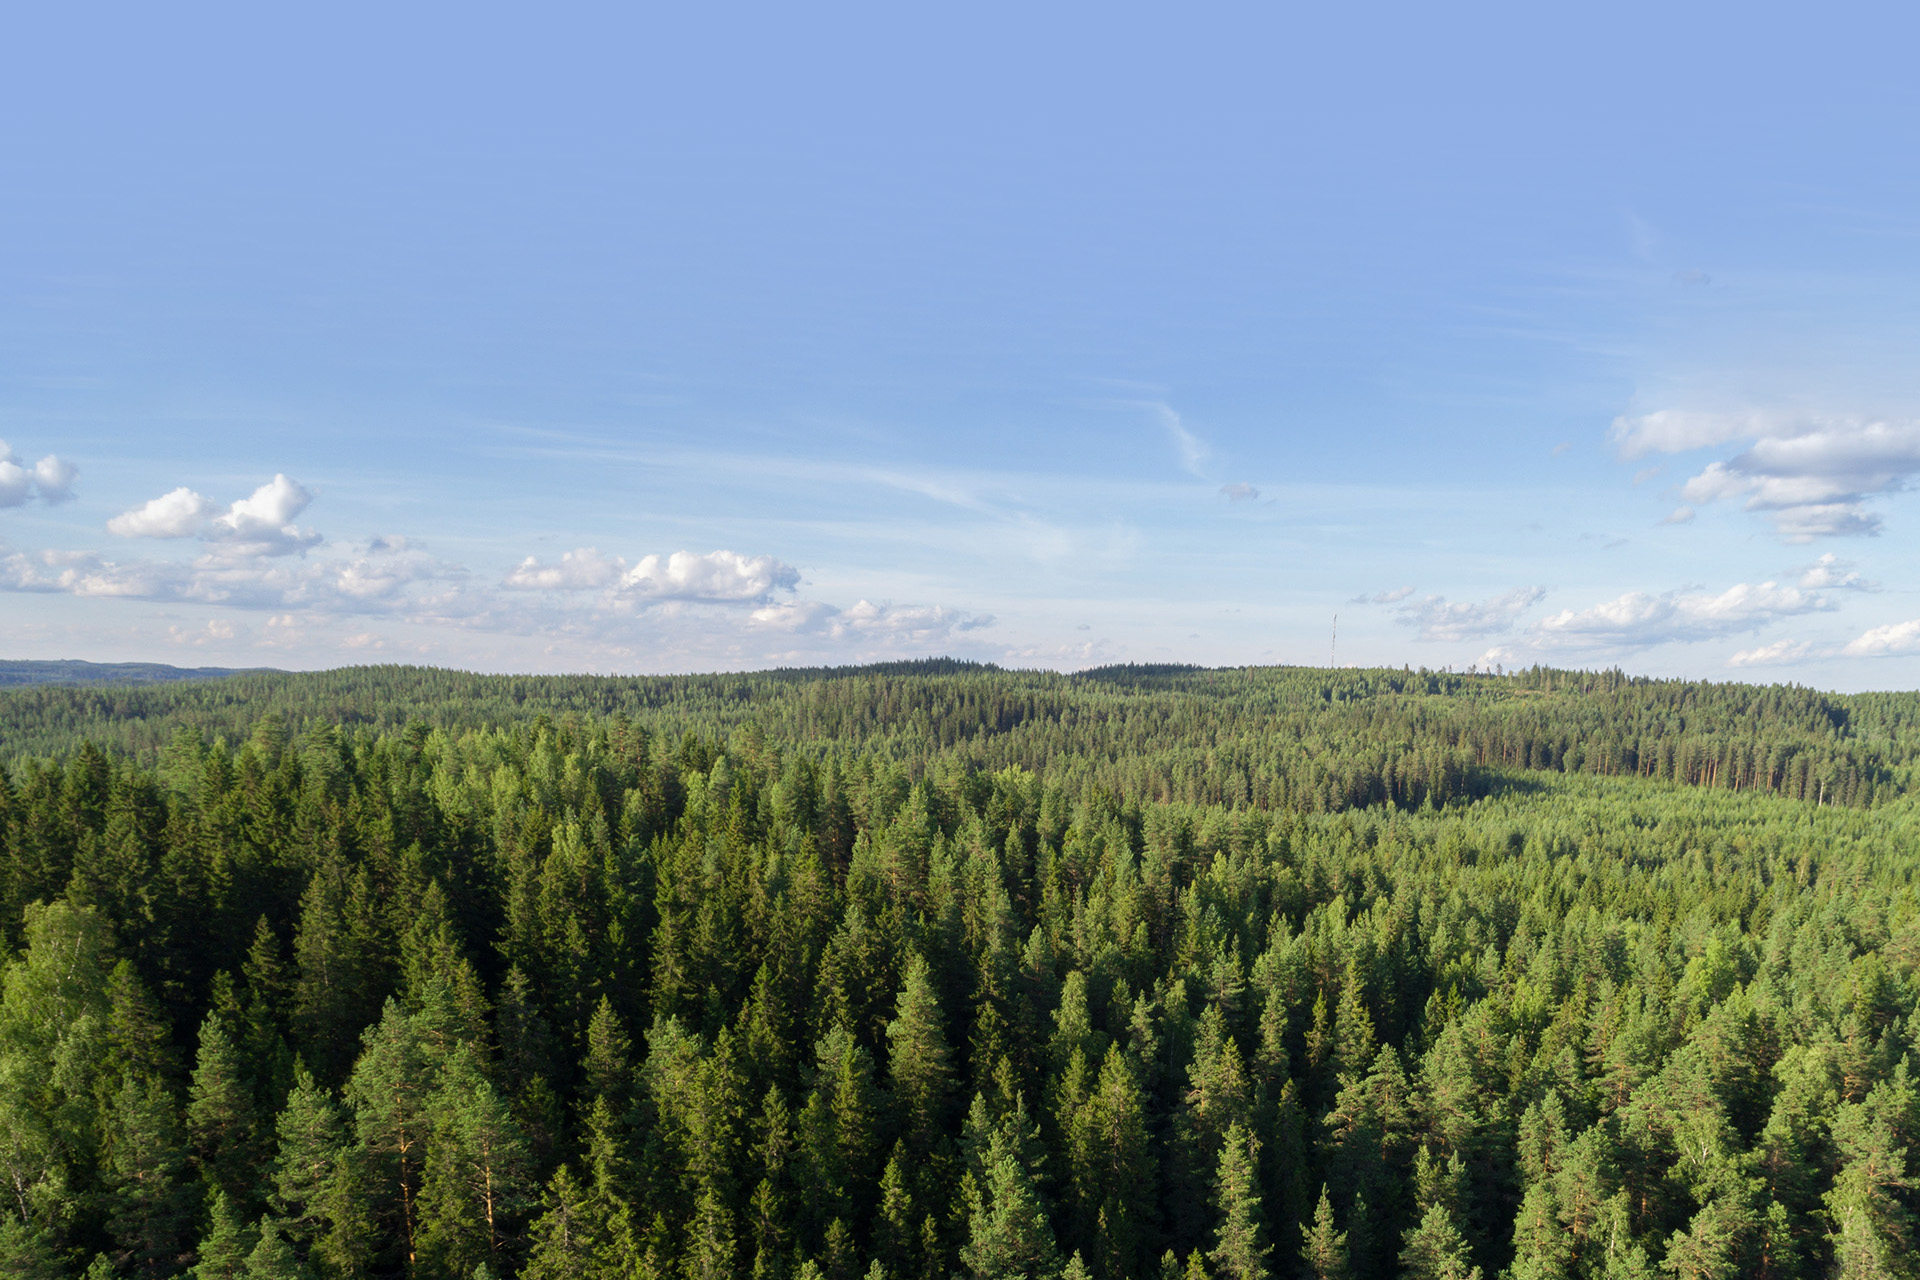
[938,970]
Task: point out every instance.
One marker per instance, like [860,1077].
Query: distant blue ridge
[74,672]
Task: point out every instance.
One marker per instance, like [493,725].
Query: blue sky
[580,338]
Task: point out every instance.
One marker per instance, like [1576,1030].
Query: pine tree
[389,1093]
[1540,1244]
[474,1183]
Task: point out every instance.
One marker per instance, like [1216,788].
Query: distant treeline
[1285,738]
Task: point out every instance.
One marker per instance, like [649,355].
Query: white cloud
[179,514]
[1780,651]
[583,569]
[84,573]
[1239,493]
[51,478]
[1394,596]
[1193,451]
[1893,639]
[262,524]
[258,525]
[914,624]
[1677,431]
[1810,476]
[1831,573]
[1439,619]
[716,576]
[1639,619]
[16,482]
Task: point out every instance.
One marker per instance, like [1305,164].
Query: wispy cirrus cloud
[918,624]
[1193,451]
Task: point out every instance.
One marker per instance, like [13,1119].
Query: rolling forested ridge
[935,969]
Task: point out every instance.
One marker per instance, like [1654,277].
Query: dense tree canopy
[941,970]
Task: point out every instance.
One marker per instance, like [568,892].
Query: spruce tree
[1008,1234]
[26,1253]
[150,1199]
[273,1258]
[229,1239]
[221,1121]
[1240,1242]
[1434,1249]
[1324,1250]
[918,1064]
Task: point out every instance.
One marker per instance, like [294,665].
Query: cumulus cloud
[1441,619]
[1639,619]
[1811,477]
[716,577]
[1394,596]
[1239,492]
[1831,573]
[16,482]
[179,514]
[579,570]
[1892,640]
[261,524]
[1767,655]
[51,478]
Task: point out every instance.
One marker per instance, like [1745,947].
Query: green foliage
[1547,975]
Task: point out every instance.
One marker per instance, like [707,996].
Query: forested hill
[74,672]
[937,970]
[1281,737]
